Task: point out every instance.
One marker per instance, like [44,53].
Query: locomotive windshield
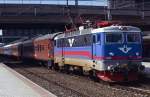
[114,38]
[133,37]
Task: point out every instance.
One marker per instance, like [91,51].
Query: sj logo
[125,49]
[71,41]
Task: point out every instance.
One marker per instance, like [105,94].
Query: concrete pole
[67,3]
[143,14]
[76,2]
[109,16]
[40,1]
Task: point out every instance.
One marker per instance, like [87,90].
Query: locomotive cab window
[113,38]
[133,37]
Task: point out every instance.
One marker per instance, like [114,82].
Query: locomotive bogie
[86,64]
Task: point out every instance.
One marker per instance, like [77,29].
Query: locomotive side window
[57,43]
[85,40]
[133,37]
[89,39]
[96,38]
[60,42]
[66,42]
[76,41]
[114,38]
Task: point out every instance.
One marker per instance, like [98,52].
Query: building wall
[130,4]
[120,4]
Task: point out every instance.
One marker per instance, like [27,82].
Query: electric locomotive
[112,53]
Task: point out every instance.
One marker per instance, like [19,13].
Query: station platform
[147,68]
[13,84]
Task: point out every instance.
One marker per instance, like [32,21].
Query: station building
[130,4]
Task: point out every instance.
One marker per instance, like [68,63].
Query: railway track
[40,75]
[135,90]
[56,83]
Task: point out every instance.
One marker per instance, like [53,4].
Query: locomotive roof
[99,30]
[117,29]
[47,36]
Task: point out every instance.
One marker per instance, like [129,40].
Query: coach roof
[47,36]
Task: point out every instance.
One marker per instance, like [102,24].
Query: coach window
[43,46]
[38,48]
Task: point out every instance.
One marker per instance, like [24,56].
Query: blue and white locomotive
[112,53]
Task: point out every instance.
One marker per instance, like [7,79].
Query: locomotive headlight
[137,53]
[111,53]
[110,67]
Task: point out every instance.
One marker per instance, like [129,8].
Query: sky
[58,2]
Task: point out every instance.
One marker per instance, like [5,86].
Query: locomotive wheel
[41,63]
[67,69]
[78,70]
[56,67]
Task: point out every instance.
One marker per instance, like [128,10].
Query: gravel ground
[70,85]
